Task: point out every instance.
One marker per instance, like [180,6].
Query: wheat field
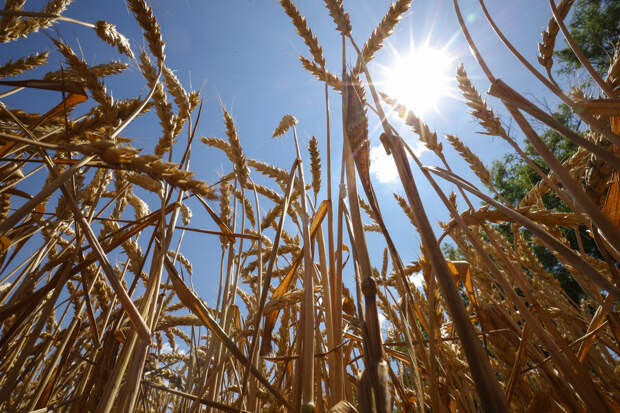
[98,312]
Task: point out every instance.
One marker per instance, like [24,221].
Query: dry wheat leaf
[596,322]
[461,272]
[5,243]
[270,319]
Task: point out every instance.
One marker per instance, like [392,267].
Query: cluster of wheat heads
[493,332]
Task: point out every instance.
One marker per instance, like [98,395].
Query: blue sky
[243,54]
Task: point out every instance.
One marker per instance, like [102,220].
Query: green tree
[595,26]
[514,178]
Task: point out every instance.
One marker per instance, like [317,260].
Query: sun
[419,79]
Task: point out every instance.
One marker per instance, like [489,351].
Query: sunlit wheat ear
[315,163]
[417,125]
[474,162]
[613,74]
[106,69]
[356,124]
[9,24]
[220,144]
[268,193]
[19,27]
[96,87]
[225,210]
[180,95]
[272,171]
[549,35]
[341,18]
[406,209]
[181,258]
[145,182]
[271,215]
[186,214]
[304,31]
[575,165]
[5,205]
[238,158]
[384,263]
[98,118]
[543,216]
[478,106]
[140,207]
[285,124]
[19,66]
[321,73]
[249,209]
[148,22]
[108,33]
[367,209]
[122,189]
[148,164]
[167,119]
[381,32]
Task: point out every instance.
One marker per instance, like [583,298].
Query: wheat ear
[108,33]
[19,66]
[381,32]
[304,31]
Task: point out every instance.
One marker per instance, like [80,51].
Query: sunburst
[420,79]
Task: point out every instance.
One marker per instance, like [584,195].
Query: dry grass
[493,332]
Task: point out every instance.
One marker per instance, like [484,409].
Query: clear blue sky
[244,55]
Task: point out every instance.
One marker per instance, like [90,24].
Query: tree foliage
[595,26]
